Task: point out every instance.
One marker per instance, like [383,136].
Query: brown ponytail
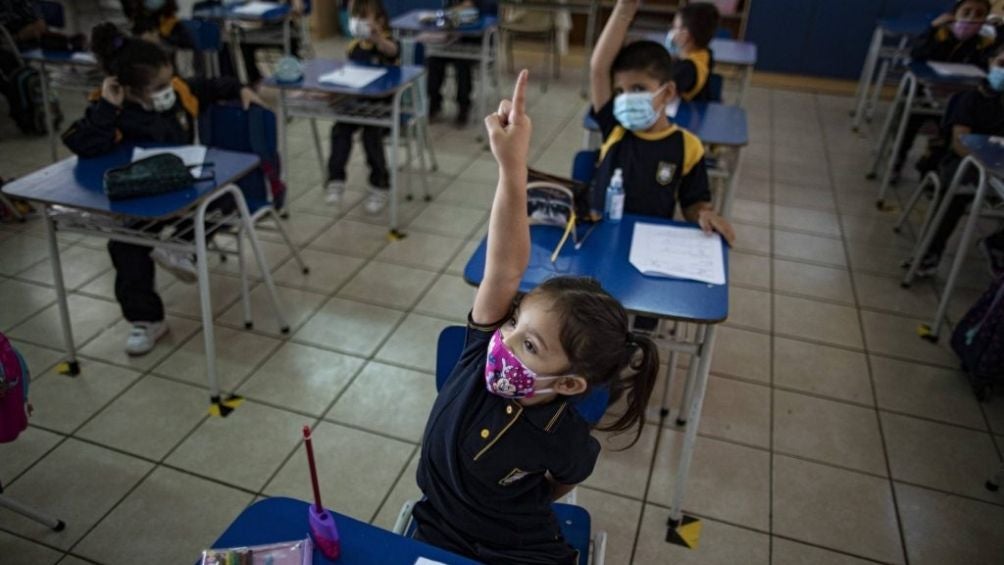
[601,349]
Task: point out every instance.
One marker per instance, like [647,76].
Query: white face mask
[163,100]
[359,28]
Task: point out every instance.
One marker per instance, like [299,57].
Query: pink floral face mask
[963,29]
[507,376]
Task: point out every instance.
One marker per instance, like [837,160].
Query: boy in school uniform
[693,29]
[372,45]
[662,163]
[977,111]
[953,37]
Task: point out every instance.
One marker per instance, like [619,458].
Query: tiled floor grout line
[770,341]
[871,374]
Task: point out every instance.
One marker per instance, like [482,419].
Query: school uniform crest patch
[515,475]
[664,172]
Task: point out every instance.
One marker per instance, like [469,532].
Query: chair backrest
[451,344]
[205,34]
[229,126]
[51,12]
[584,165]
[716,83]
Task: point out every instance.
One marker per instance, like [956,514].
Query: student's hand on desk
[509,129]
[249,97]
[710,221]
[112,91]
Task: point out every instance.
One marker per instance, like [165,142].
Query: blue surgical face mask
[996,78]
[634,110]
[671,45]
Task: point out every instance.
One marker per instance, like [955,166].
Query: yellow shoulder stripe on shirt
[702,63]
[167,25]
[188,100]
[693,151]
[616,135]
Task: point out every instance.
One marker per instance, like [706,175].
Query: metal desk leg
[890,163]
[287,44]
[692,376]
[217,406]
[72,367]
[395,140]
[745,84]
[867,73]
[247,222]
[594,7]
[690,436]
[889,63]
[730,187]
[49,126]
[925,241]
[930,332]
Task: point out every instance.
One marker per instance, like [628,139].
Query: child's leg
[437,69]
[134,282]
[341,149]
[248,51]
[375,158]
[956,209]
[913,125]
[464,86]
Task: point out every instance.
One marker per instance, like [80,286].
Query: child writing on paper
[372,45]
[693,29]
[977,111]
[953,37]
[662,163]
[142,101]
[503,441]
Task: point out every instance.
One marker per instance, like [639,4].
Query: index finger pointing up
[519,93]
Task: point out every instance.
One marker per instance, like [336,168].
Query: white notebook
[256,8]
[190,154]
[672,251]
[352,76]
[956,69]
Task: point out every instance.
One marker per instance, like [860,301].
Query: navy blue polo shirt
[484,463]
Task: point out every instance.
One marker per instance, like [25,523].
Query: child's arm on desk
[606,50]
[508,229]
[704,215]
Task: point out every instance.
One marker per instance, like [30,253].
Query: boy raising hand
[662,163]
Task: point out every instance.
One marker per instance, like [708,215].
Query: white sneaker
[180,265]
[376,201]
[144,336]
[334,191]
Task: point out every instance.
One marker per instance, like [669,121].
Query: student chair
[716,84]
[228,126]
[207,42]
[534,25]
[576,524]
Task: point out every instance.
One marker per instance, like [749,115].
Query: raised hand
[509,129]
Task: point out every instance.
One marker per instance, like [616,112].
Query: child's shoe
[334,191]
[144,336]
[180,265]
[376,201]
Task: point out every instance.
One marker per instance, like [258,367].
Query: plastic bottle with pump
[615,198]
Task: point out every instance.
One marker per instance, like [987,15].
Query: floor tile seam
[771,338]
[871,376]
[394,483]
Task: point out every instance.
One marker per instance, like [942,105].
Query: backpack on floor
[14,379]
[24,96]
[978,340]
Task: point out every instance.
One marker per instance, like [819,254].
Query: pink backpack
[14,379]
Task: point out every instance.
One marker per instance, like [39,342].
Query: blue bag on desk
[14,378]
[978,340]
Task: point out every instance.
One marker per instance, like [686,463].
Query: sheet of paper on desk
[190,154]
[352,76]
[426,561]
[956,69]
[671,251]
[83,57]
[256,8]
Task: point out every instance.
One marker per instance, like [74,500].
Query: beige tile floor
[831,433]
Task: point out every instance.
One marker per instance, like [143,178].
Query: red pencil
[313,469]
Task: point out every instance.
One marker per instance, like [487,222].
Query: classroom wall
[823,37]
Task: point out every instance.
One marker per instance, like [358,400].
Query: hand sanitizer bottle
[615,197]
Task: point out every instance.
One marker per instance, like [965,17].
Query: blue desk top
[57,57]
[275,520]
[927,75]
[79,183]
[229,13]
[907,24]
[727,51]
[393,80]
[713,123]
[988,153]
[409,21]
[604,256]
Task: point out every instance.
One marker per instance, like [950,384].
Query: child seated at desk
[142,101]
[372,44]
[461,67]
[502,442]
[978,111]
[953,37]
[693,29]
[662,164]
[157,21]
